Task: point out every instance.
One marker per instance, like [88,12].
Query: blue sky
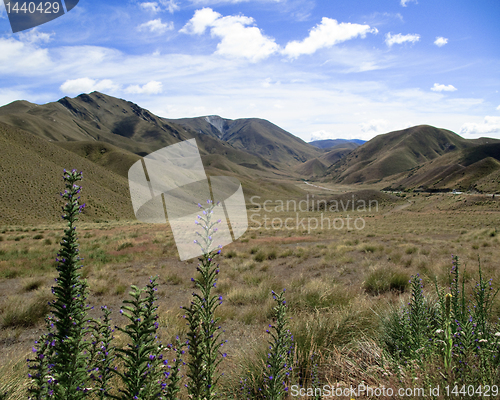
[317,68]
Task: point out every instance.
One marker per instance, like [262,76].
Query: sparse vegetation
[339,286]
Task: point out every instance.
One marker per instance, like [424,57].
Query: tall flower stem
[66,360]
[204,334]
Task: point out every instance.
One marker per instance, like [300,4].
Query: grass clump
[384,280]
[260,256]
[33,284]
[22,313]
[125,245]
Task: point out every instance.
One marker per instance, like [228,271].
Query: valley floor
[344,275]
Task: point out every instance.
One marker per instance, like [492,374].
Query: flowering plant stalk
[448,337]
[142,358]
[63,374]
[102,355]
[280,356]
[204,335]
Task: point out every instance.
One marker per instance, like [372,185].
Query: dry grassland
[338,281]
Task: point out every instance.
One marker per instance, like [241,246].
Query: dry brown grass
[334,278]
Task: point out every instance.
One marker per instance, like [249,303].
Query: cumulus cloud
[443,88]
[488,126]
[404,3]
[400,39]
[326,34]
[87,85]
[152,87]
[156,26]
[374,125]
[238,39]
[202,19]
[440,41]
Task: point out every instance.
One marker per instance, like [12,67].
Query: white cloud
[400,39]
[202,19]
[440,41]
[155,7]
[152,87]
[238,40]
[34,36]
[87,85]
[151,6]
[322,135]
[374,125]
[326,34]
[488,126]
[443,88]
[404,3]
[156,26]
[24,58]
[498,108]
[170,5]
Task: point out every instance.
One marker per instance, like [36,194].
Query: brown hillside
[395,152]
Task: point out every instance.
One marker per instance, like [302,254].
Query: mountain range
[103,136]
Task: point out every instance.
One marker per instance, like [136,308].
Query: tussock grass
[386,279]
[33,284]
[17,312]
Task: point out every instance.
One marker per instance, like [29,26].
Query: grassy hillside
[471,168]
[311,168]
[254,136]
[396,152]
[334,155]
[31,179]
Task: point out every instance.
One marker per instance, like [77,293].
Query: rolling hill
[255,136]
[396,152]
[475,168]
[103,136]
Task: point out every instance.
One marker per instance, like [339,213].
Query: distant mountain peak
[218,123]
